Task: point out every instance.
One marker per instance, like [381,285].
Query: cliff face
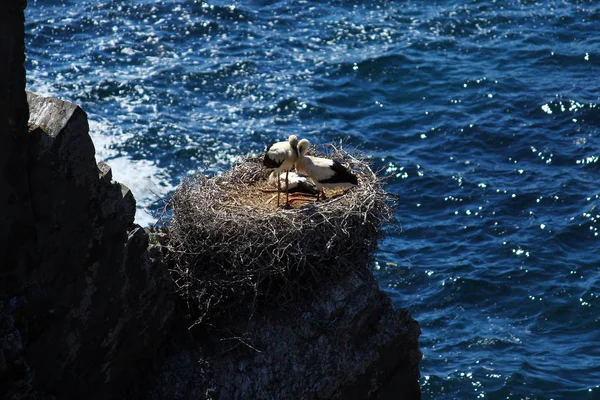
[85,301]
[17,225]
[89,309]
[344,341]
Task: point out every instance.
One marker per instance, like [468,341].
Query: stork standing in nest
[324,172]
[282,156]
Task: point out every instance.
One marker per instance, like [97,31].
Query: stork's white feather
[324,172]
[282,156]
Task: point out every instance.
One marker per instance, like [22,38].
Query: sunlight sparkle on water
[519,252]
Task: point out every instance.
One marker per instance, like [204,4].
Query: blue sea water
[484,115]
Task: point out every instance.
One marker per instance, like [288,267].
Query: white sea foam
[146,180]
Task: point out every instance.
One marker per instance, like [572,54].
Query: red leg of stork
[287,187]
[278,188]
[302,197]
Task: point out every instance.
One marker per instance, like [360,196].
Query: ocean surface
[484,115]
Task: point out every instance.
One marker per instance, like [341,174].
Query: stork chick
[324,172]
[297,183]
[282,156]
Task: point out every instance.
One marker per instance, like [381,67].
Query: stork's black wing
[341,174]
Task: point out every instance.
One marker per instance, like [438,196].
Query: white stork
[324,172]
[282,156]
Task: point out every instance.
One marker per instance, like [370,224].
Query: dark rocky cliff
[86,313]
[17,227]
[86,306]
[344,341]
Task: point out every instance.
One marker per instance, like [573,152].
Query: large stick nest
[230,249]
